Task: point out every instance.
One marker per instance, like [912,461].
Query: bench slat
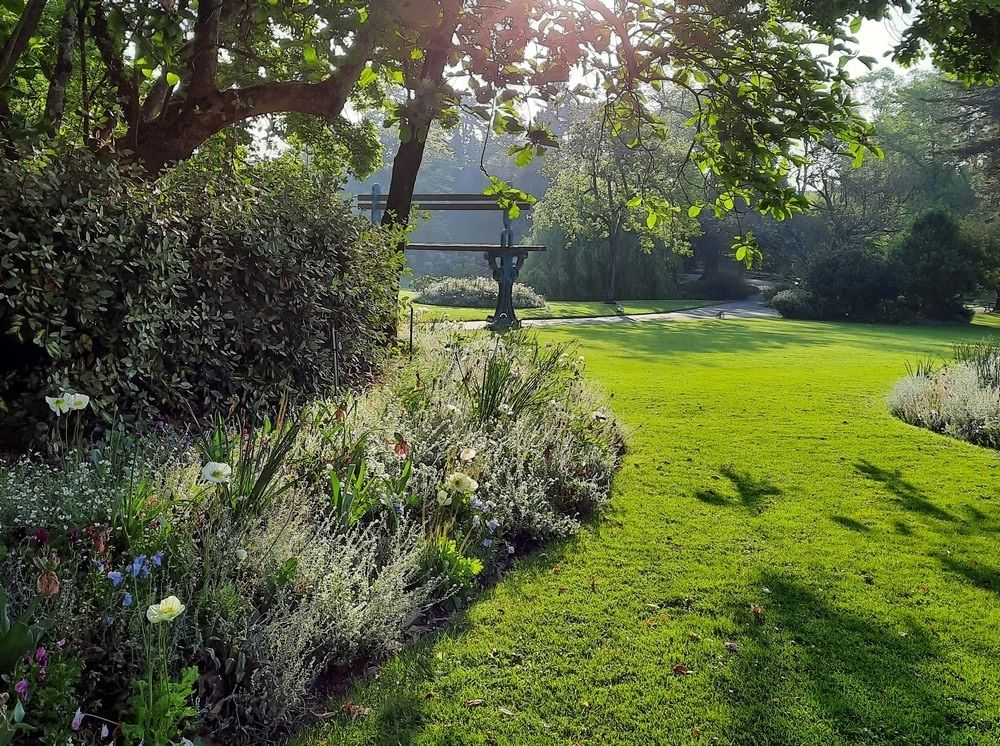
[439,206]
[437,197]
[493,248]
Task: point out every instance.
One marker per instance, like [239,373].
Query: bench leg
[505,273]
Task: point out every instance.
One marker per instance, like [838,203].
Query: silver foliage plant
[961,399]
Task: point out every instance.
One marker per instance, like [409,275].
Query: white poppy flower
[166,611]
[57,404]
[77,401]
[217,473]
[467,454]
[459,482]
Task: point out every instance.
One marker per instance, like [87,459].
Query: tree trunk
[62,68]
[611,279]
[14,46]
[410,154]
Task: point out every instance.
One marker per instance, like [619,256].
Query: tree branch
[14,46]
[128,95]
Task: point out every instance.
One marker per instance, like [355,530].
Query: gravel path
[738,309]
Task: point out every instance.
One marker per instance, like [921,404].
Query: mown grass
[765,472]
[556,309]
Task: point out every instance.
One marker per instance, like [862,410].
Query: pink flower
[77,720]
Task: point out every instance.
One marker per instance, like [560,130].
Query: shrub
[475,292]
[850,284]
[156,298]
[794,304]
[936,266]
[771,289]
[324,541]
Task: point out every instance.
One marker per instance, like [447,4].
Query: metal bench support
[506,266]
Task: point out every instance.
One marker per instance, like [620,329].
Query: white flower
[459,482]
[452,409]
[166,611]
[443,498]
[467,454]
[76,401]
[217,473]
[58,404]
[241,555]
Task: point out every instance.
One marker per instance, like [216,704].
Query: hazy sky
[875,39]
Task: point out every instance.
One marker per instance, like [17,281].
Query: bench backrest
[374,203]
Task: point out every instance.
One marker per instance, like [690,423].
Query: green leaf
[651,219]
[173,78]
[856,24]
[367,77]
[524,156]
[695,210]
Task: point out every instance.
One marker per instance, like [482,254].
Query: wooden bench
[505,260]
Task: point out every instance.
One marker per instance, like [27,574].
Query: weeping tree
[149,82]
[616,187]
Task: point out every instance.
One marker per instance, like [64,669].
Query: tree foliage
[151,82]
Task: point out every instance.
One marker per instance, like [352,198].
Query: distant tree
[608,185]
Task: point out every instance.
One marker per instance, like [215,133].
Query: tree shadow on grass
[851,524]
[752,492]
[908,494]
[981,576]
[814,672]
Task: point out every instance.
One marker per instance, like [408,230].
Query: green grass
[556,309]
[763,470]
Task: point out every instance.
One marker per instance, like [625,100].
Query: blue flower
[140,567]
[487,543]
[115,577]
[127,599]
[492,524]
[101,566]
[158,559]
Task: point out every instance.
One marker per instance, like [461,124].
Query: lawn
[784,563]
[556,309]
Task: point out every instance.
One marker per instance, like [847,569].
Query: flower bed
[475,292]
[961,399]
[166,586]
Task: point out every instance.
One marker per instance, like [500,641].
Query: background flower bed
[961,399]
[475,292]
[298,549]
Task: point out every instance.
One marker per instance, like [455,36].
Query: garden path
[751,308]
